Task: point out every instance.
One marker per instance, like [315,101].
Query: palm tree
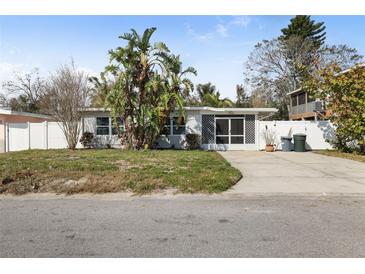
[148,83]
[209,96]
[204,89]
[214,100]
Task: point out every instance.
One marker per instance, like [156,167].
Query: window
[178,126]
[120,125]
[174,126]
[102,126]
[166,130]
[301,98]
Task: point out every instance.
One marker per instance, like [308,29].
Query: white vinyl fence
[46,135]
[318,132]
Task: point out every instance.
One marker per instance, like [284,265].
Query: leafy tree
[205,89]
[242,99]
[100,90]
[341,55]
[214,100]
[344,93]
[208,95]
[306,37]
[270,70]
[276,68]
[306,29]
[147,83]
[3,100]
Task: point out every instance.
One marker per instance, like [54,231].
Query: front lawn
[113,170]
[350,156]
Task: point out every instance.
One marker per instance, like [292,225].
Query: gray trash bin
[299,142]
[286,143]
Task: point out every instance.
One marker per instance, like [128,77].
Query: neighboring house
[219,128]
[302,106]
[9,116]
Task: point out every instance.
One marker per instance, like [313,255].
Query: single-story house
[10,116]
[219,128]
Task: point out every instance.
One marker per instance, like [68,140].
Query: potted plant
[269,136]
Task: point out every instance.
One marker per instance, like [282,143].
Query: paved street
[183,226]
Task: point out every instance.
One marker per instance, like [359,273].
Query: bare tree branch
[66,95]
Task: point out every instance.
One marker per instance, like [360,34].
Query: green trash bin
[299,142]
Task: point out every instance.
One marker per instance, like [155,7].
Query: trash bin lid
[286,137]
[300,134]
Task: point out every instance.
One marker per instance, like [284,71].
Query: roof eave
[26,114]
[294,91]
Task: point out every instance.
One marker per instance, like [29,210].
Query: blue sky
[217,46]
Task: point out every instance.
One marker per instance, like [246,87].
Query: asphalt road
[183,227]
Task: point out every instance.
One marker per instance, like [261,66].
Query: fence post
[46,133]
[7,146]
[28,135]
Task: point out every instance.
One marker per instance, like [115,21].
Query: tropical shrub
[344,94]
[87,139]
[192,141]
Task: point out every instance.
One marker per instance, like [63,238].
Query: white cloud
[221,30]
[197,36]
[241,21]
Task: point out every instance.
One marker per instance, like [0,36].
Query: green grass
[113,170]
[350,156]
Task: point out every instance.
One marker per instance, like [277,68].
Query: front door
[229,132]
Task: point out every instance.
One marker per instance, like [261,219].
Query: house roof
[5,111]
[212,109]
[294,91]
[235,110]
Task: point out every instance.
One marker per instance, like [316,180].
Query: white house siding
[192,126]
[89,125]
[194,122]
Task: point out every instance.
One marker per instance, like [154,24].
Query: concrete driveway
[290,172]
